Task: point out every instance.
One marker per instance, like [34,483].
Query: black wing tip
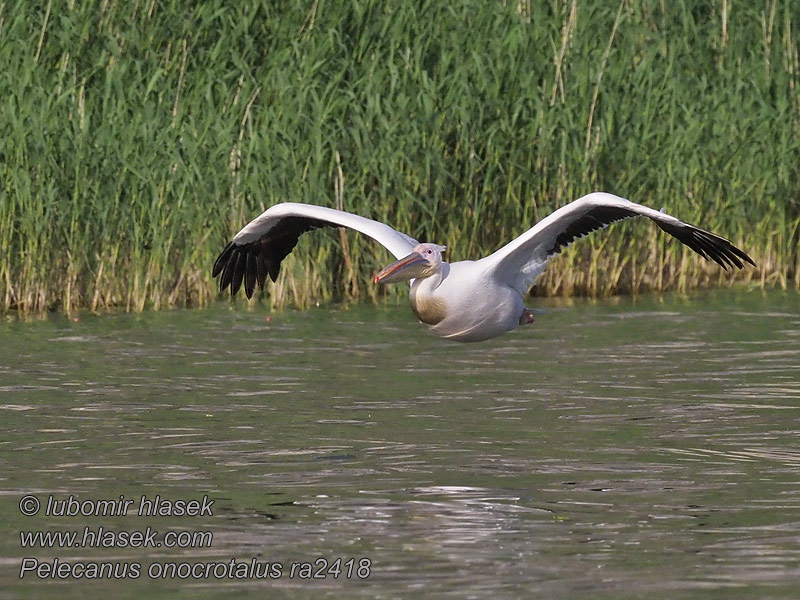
[251,263]
[237,265]
[710,245]
[744,256]
[221,260]
[274,269]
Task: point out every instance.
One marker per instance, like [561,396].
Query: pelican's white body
[478,306]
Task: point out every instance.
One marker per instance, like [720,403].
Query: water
[618,449]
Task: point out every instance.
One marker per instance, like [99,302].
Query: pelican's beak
[413,265]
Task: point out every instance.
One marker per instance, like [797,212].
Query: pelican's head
[424,261]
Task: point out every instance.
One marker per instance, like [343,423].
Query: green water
[614,449]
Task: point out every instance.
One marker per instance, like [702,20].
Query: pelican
[465,301]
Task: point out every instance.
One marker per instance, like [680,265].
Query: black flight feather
[252,262]
[706,244]
[595,218]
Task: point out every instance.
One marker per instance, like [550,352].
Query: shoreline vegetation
[140,136]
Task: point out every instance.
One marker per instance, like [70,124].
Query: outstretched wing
[260,247]
[520,262]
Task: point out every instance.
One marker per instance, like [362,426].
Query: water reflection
[613,449]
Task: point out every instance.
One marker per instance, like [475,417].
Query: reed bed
[139,136]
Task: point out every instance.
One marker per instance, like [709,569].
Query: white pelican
[466,301]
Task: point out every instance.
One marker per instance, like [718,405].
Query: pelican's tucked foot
[526,318]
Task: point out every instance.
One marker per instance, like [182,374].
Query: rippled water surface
[617,449]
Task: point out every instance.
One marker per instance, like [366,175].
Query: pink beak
[413,265]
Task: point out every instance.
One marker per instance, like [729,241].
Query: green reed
[139,136]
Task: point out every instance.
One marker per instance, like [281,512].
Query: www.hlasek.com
[102,537]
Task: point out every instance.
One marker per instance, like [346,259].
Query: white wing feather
[398,243]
